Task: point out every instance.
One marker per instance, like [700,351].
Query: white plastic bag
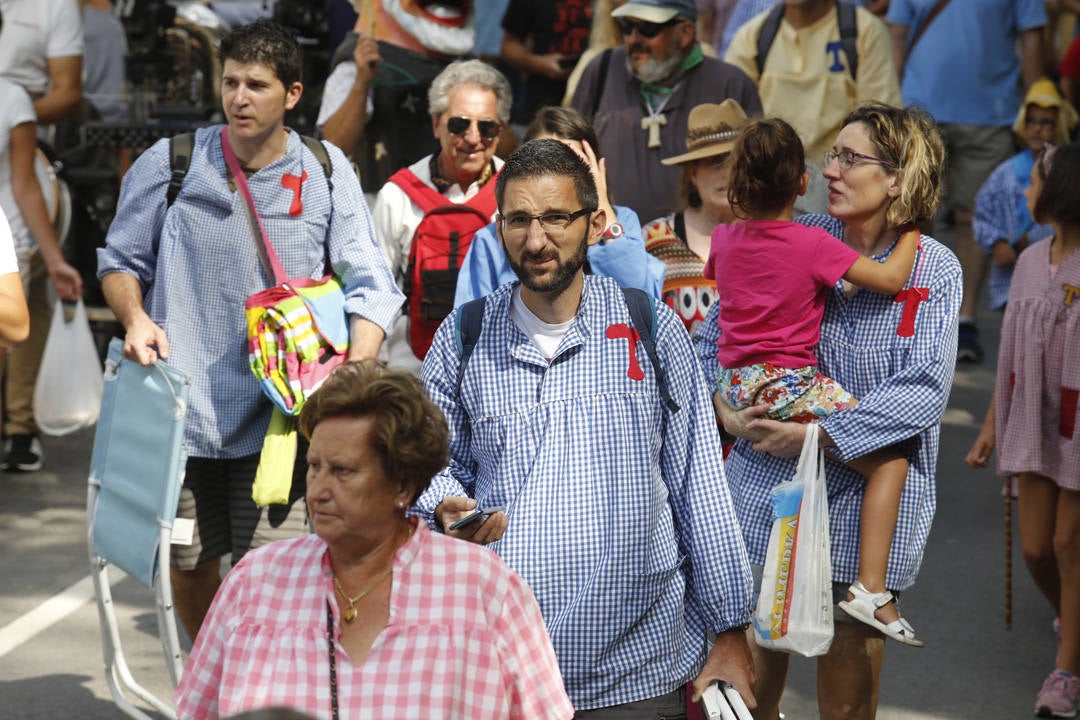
[67,396]
[794,611]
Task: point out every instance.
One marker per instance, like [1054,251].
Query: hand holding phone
[477,514]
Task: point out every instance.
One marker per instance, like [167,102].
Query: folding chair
[136,471]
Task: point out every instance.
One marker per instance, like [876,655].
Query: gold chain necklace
[350,612]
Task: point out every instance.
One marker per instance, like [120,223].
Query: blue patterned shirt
[1001,214]
[197,263]
[620,518]
[903,386]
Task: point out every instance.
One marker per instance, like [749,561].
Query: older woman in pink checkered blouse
[373,616]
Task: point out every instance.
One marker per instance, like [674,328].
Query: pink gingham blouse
[465,639]
[1037,400]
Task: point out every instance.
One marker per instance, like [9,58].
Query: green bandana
[692,60]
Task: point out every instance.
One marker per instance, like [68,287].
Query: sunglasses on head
[489,129]
[647,30]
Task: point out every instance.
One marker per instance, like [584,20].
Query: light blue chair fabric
[137,462]
[136,471]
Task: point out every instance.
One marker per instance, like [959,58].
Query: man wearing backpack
[814,61]
[427,213]
[177,270]
[579,407]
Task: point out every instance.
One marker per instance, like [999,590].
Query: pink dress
[1038,379]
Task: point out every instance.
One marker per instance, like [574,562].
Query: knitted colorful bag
[297,334]
[297,330]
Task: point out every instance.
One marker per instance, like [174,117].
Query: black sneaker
[24,454]
[968,347]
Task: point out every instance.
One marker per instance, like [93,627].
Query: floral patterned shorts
[796,394]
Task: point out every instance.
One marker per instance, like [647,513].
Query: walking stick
[1008,553]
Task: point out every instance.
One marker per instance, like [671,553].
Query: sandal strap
[882,599]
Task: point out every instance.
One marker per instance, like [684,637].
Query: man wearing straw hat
[639,96]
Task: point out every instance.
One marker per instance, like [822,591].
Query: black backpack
[845,20]
[180,147]
[642,314]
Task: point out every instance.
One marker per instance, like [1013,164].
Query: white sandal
[863,605]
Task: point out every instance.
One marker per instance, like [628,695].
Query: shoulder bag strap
[920,30]
[333,662]
[262,243]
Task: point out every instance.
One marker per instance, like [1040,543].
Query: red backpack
[438,246]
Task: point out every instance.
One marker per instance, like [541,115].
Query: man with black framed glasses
[426,214]
[603,451]
[639,96]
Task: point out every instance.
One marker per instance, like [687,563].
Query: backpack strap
[470,321]
[767,35]
[180,147]
[845,19]
[425,196]
[643,314]
[605,63]
[319,151]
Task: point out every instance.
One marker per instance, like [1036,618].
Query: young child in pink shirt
[772,277]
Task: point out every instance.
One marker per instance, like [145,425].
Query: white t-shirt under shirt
[15,109]
[544,335]
[35,31]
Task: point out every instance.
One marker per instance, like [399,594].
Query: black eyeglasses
[554,223]
[1041,122]
[849,159]
[489,129]
[647,30]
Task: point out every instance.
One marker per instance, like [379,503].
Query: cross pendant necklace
[655,120]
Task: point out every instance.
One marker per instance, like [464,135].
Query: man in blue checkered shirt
[177,277]
[618,514]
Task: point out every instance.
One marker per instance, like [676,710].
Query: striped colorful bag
[297,330]
[297,334]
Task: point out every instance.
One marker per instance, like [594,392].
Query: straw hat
[711,131]
[1044,93]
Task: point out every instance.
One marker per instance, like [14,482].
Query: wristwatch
[614,230]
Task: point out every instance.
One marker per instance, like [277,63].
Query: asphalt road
[972,667]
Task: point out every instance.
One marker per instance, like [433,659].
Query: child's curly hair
[767,166]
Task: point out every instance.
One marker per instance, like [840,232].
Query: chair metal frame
[150,569]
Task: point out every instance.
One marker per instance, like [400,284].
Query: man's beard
[654,71]
[564,272]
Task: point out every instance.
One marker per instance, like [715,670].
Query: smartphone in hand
[477,514]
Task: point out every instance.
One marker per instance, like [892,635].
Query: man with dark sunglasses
[447,193]
[639,96]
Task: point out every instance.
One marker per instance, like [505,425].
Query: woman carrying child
[770,321]
[897,354]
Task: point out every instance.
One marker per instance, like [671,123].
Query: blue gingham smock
[620,519]
[198,263]
[903,386]
[998,216]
